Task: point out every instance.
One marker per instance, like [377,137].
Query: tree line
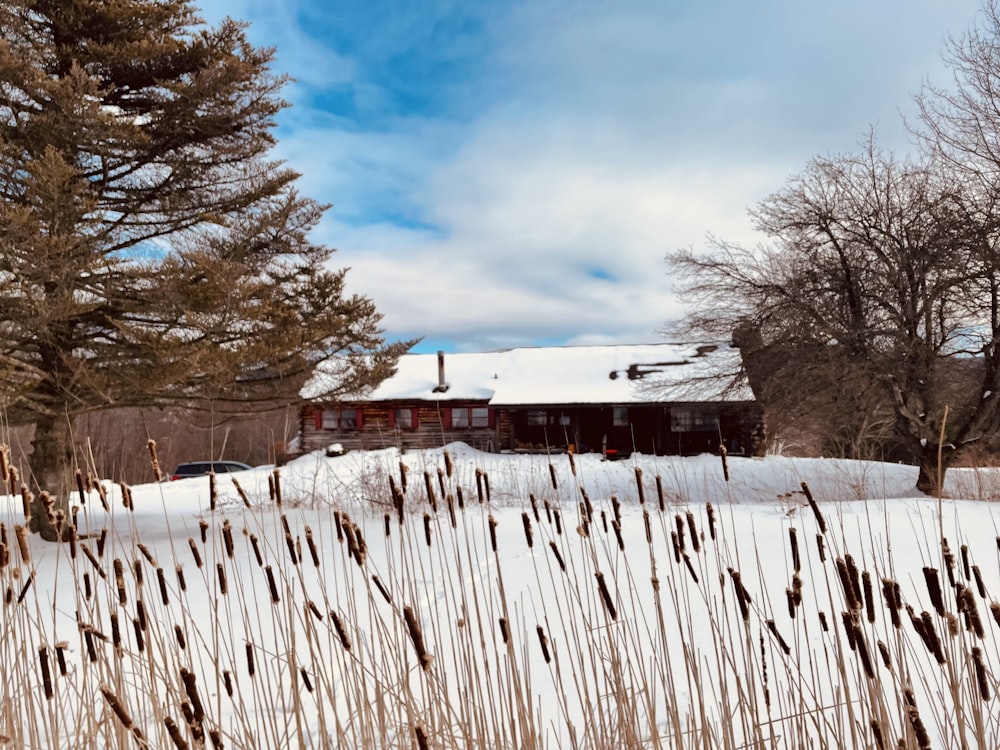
[874,301]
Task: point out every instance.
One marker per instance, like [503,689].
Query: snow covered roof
[624,374]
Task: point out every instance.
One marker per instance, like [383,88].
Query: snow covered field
[520,602]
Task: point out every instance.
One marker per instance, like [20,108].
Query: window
[341,420]
[619,416]
[404,419]
[463,417]
[537,418]
[693,420]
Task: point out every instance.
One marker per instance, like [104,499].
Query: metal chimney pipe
[442,386]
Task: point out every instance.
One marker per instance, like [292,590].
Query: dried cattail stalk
[43,665]
[305,679]
[588,507]
[604,521]
[690,567]
[221,575]
[272,587]
[256,550]
[179,636]
[120,581]
[930,637]
[81,487]
[417,637]
[559,557]
[161,580]
[450,501]
[676,547]
[397,499]
[919,731]
[710,512]
[480,491]
[227,682]
[427,528]
[504,630]
[191,688]
[157,474]
[102,540]
[544,643]
[638,486]
[137,571]
[116,633]
[441,487]
[965,562]
[793,541]
[723,453]
[866,584]
[981,679]
[174,733]
[967,604]
[877,734]
[557,517]
[609,604]
[421,736]
[533,501]
[311,543]
[693,532]
[117,706]
[4,462]
[449,467]
[203,528]
[528,536]
[890,591]
[382,589]
[572,461]
[493,532]
[679,525]
[850,595]
[742,596]
[781,641]
[820,521]
[277,487]
[847,618]
[647,526]
[980,586]
[429,489]
[823,623]
[949,561]
[553,477]
[251,669]
[460,497]
[140,641]
[126,493]
[934,589]
[21,534]
[93,560]
[883,651]
[616,525]
[338,625]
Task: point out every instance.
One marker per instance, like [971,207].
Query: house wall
[377,429]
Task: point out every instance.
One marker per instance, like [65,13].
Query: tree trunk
[51,468]
[930,478]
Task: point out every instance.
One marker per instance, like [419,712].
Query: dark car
[199,468]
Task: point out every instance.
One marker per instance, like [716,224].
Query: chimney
[442,386]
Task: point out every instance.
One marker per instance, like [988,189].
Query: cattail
[449,467]
[397,499]
[161,579]
[820,548]
[429,489]
[179,636]
[479,485]
[616,525]
[251,668]
[679,525]
[661,499]
[88,639]
[559,557]
[890,591]
[43,664]
[272,587]
[181,583]
[421,736]
[126,493]
[847,618]
[742,596]
[557,517]
[949,561]
[4,463]
[820,521]
[553,477]
[103,495]
[120,581]
[526,522]
[725,462]
[647,526]
[965,562]
[81,487]
[338,523]
[191,688]
[227,682]
[638,486]
[61,656]
[175,734]
[544,643]
[967,604]
[116,633]
[866,581]
[417,637]
[676,547]
[504,630]
[157,474]
[440,476]
[450,500]
[572,462]
[823,622]
[314,610]
[203,528]
[311,543]
[978,576]
[534,506]
[403,468]
[117,706]
[21,534]
[933,584]
[102,540]
[227,538]
[984,686]
[604,521]
[781,641]
[710,512]
[221,574]
[277,487]
[587,506]
[93,560]
[241,492]
[137,571]
[493,532]
[793,541]
[931,639]
[844,573]
[919,731]
[427,528]
[292,549]
[382,589]
[690,567]
[606,596]
[883,651]
[338,625]
[693,532]
[305,679]
[864,654]
[877,734]
[460,497]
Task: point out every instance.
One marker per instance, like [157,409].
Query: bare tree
[150,250]
[875,292]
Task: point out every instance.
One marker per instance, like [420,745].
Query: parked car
[199,468]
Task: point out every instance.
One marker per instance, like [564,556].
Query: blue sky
[513,173]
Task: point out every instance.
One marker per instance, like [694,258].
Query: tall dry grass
[435,614]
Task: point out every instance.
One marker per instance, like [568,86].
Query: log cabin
[650,398]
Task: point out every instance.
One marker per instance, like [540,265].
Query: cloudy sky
[514,172]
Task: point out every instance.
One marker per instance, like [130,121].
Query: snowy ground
[444,568]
